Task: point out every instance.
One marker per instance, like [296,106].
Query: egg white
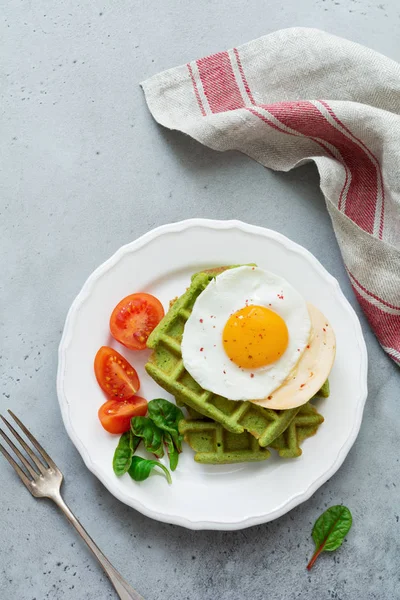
[202,346]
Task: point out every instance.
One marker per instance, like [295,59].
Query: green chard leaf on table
[329,530]
[167,416]
[141,468]
[124,452]
[152,436]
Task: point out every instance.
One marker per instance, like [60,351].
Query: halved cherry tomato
[116,415]
[116,377]
[134,318]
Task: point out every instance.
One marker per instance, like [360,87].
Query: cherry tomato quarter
[116,377]
[116,415]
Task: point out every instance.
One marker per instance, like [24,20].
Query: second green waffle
[215,445]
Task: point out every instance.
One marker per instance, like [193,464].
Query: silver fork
[43,479]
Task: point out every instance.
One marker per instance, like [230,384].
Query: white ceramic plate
[209,497]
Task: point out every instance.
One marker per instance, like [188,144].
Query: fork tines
[33,468]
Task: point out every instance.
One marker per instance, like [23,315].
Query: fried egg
[246,333]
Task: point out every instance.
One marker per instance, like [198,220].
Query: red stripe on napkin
[196,91]
[370,153]
[219,83]
[243,76]
[386,326]
[361,199]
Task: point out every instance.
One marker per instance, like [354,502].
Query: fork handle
[122,587]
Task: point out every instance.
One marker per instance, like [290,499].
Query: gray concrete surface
[84,170]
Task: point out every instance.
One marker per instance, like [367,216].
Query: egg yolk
[255,336]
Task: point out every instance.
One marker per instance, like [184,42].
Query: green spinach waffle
[304,425]
[166,367]
[325,390]
[214,445]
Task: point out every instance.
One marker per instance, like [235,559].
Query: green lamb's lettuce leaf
[152,436]
[167,416]
[173,453]
[141,468]
[124,452]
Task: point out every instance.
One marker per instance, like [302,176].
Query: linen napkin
[299,95]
